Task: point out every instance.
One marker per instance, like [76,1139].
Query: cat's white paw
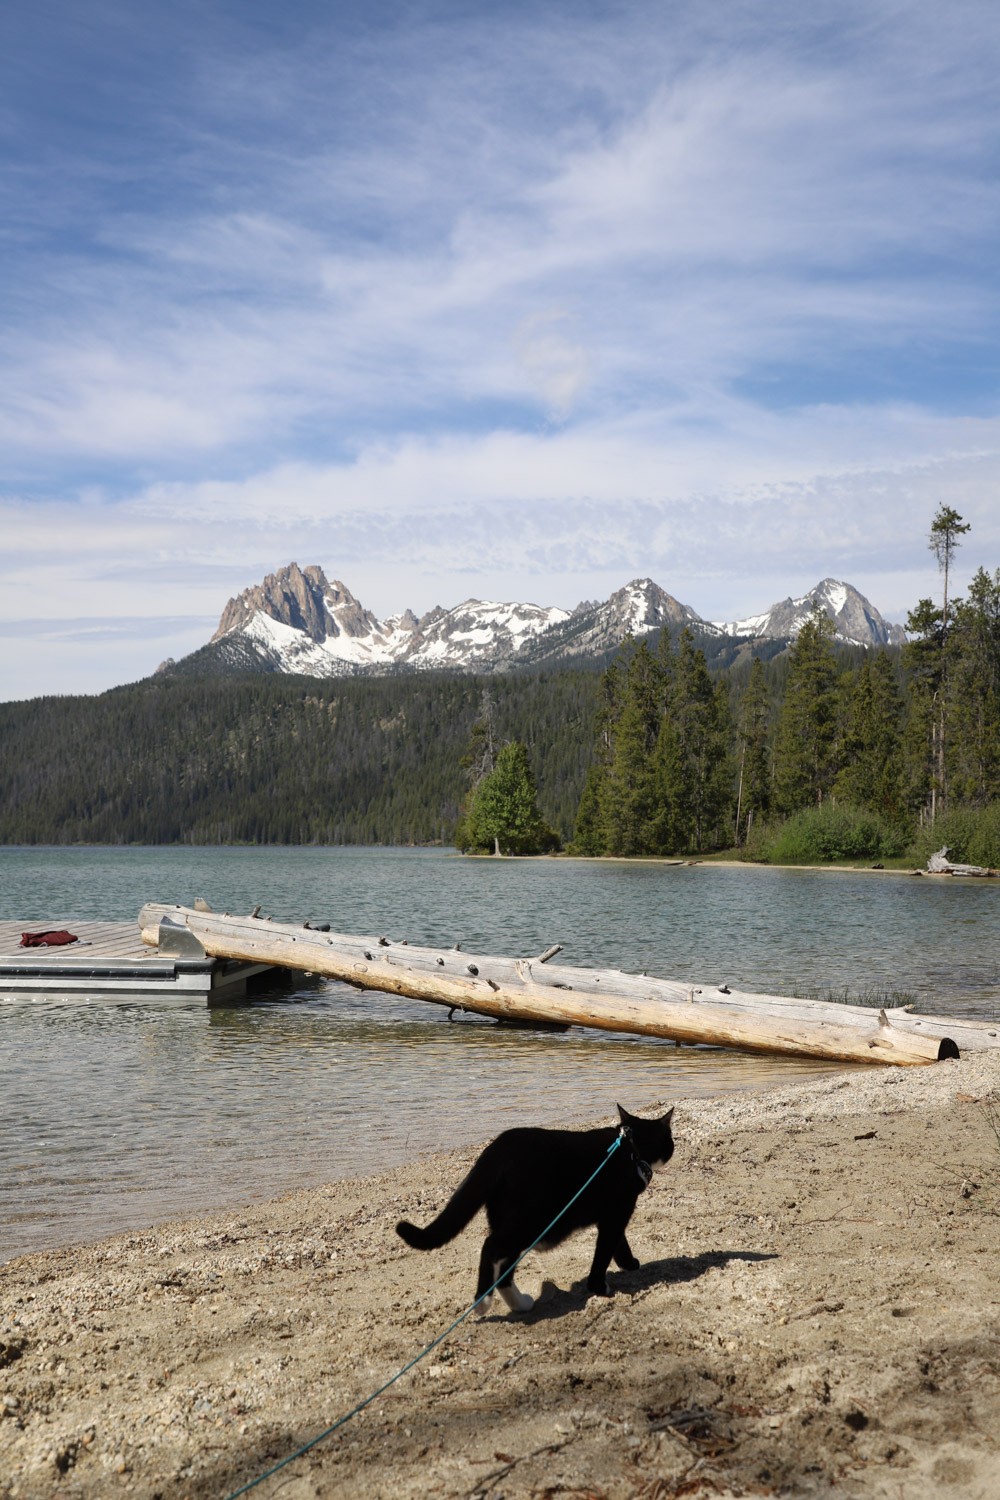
[517,1301]
[482,1308]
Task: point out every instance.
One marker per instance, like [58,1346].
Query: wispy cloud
[446,299]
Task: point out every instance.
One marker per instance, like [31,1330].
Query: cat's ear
[665,1119]
[624,1116]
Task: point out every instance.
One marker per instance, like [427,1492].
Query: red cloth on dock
[47,939]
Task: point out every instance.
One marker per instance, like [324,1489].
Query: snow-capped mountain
[856,621]
[298,621]
[593,629]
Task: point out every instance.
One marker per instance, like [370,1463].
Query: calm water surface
[116,1114]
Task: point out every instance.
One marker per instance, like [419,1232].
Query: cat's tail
[469,1197]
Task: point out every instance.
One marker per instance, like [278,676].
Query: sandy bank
[818,1313]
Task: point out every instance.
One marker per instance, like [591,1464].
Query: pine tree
[695,772]
[629,803]
[946,528]
[590,834]
[480,758]
[923,658]
[871,773]
[753,797]
[477,763]
[504,812]
[803,755]
[973,693]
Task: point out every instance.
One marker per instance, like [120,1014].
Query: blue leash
[440,1338]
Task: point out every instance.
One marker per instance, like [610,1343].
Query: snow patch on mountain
[299,621]
[856,621]
[478,631]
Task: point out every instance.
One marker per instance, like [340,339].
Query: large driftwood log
[940,864]
[510,990]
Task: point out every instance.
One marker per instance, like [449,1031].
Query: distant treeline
[276,759]
[681,745]
[209,754]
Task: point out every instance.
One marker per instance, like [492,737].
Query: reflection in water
[116,1114]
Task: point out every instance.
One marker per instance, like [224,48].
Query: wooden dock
[111,962]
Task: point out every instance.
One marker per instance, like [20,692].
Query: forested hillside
[825,753]
[681,745]
[204,756]
[273,759]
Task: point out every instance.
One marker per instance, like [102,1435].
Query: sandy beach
[817,1313]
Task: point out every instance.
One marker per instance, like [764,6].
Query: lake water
[116,1114]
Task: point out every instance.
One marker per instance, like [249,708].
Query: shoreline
[816,1313]
[449,851]
[714,862]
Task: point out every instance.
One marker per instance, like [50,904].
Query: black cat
[526,1176]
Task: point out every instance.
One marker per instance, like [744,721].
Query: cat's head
[653,1139]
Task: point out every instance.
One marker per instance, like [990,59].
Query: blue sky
[507,301]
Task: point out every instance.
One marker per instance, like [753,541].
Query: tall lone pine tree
[503,811]
[930,660]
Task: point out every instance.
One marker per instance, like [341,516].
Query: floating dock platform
[111,962]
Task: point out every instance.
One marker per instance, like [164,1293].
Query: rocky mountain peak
[298,621]
[345,616]
[292,596]
[406,621]
[648,607]
[855,620]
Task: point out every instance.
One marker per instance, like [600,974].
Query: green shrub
[831,831]
[984,845]
[759,840]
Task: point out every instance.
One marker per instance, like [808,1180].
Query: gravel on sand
[817,1313]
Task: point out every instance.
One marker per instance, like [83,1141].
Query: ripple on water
[114,1115]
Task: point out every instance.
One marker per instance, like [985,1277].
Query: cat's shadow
[556,1302]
